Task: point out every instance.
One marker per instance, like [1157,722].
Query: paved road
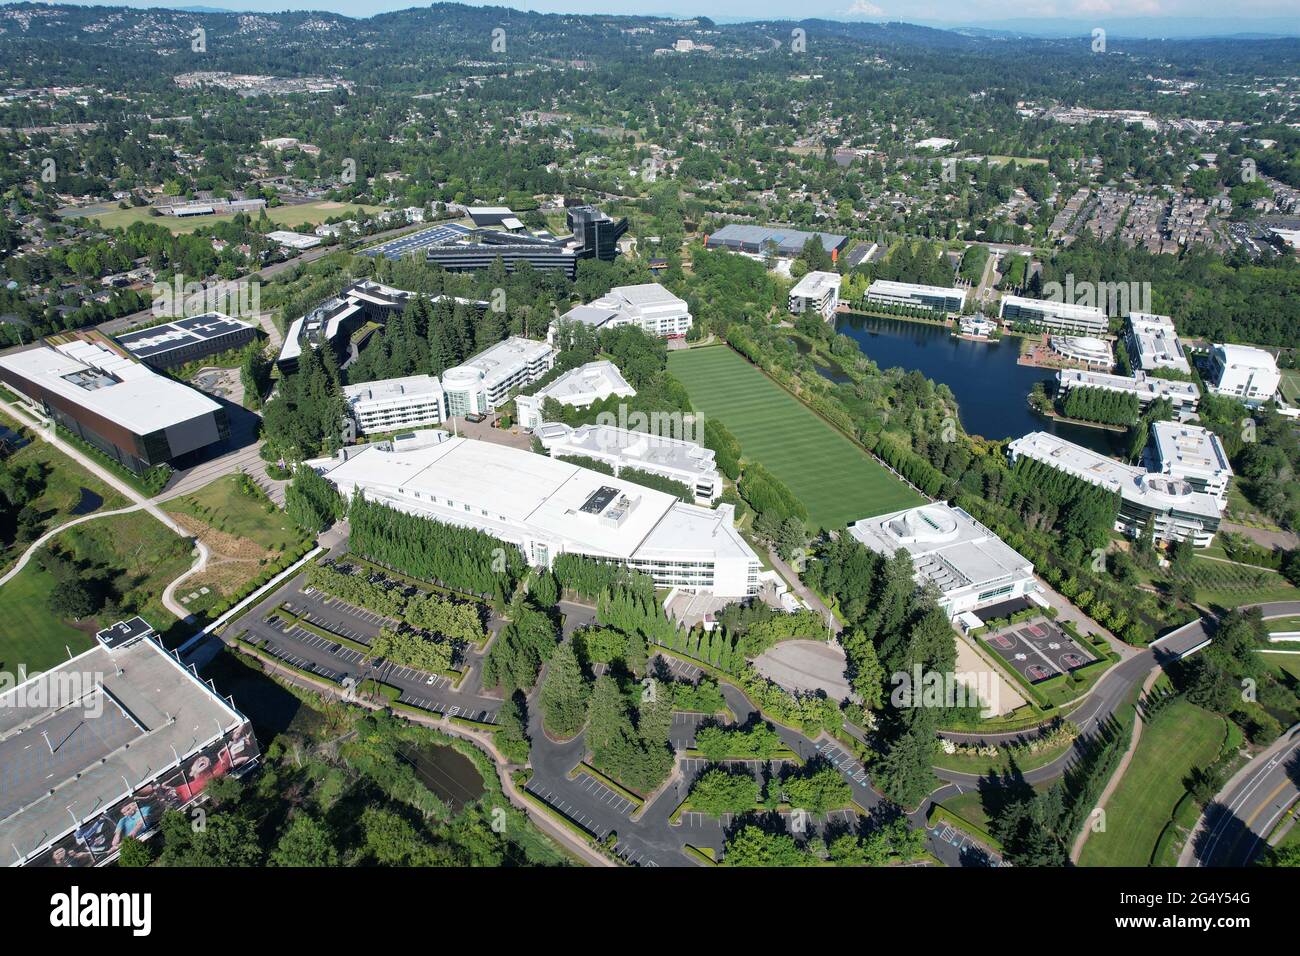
[1234,828]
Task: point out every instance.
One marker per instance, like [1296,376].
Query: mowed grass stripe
[835,479]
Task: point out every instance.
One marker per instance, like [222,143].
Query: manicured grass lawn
[225,506]
[835,479]
[1288,663]
[64,479]
[1281,624]
[314,213]
[1181,737]
[31,637]
[1291,385]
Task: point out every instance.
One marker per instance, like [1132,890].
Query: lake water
[991,387]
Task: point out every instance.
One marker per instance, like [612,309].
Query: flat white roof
[814,285]
[644,294]
[632,447]
[102,381]
[1190,449]
[948,547]
[1063,309]
[586,382]
[1156,342]
[1247,356]
[1133,484]
[1140,384]
[500,361]
[889,287]
[391,389]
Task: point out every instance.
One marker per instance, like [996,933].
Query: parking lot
[1038,650]
[598,791]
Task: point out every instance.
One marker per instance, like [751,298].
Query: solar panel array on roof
[145,343]
[601,497]
[404,245]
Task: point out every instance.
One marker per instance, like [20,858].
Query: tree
[717,791]
[135,852]
[751,845]
[71,599]
[306,842]
[564,693]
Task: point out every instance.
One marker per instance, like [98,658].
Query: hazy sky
[952,11]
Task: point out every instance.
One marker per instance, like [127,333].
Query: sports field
[286,216]
[836,480]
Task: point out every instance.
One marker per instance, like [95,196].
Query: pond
[449,774]
[88,502]
[990,385]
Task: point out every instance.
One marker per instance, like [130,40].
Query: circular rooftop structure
[924,524]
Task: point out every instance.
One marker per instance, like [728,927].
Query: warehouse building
[392,404]
[1153,344]
[577,388]
[1054,316]
[1244,373]
[684,461]
[1193,454]
[648,305]
[785,243]
[548,507]
[934,297]
[98,748]
[1175,508]
[969,565]
[121,406]
[182,341]
[1184,396]
[816,292]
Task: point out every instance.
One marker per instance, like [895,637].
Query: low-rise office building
[102,745]
[685,461]
[182,341]
[817,292]
[1193,454]
[578,388]
[121,406]
[1086,349]
[784,243]
[649,306]
[1053,316]
[547,507]
[1184,396]
[1243,372]
[1153,344]
[969,565]
[1176,510]
[937,298]
[392,404]
[294,240]
[595,235]
[484,382]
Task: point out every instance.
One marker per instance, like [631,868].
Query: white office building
[1176,509]
[1153,344]
[1193,454]
[393,404]
[485,381]
[1184,396]
[1054,316]
[1245,373]
[684,461]
[817,292]
[293,240]
[579,388]
[1086,349]
[935,297]
[649,306]
[970,565]
[548,507]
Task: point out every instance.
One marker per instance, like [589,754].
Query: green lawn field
[225,506]
[287,216]
[835,479]
[31,638]
[1181,737]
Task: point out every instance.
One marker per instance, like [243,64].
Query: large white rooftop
[890,287]
[392,389]
[1155,342]
[1189,449]
[1133,484]
[1145,387]
[1052,307]
[587,383]
[1246,356]
[107,383]
[949,548]
[815,285]
[499,362]
[629,446]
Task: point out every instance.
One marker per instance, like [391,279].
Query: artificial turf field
[837,481]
